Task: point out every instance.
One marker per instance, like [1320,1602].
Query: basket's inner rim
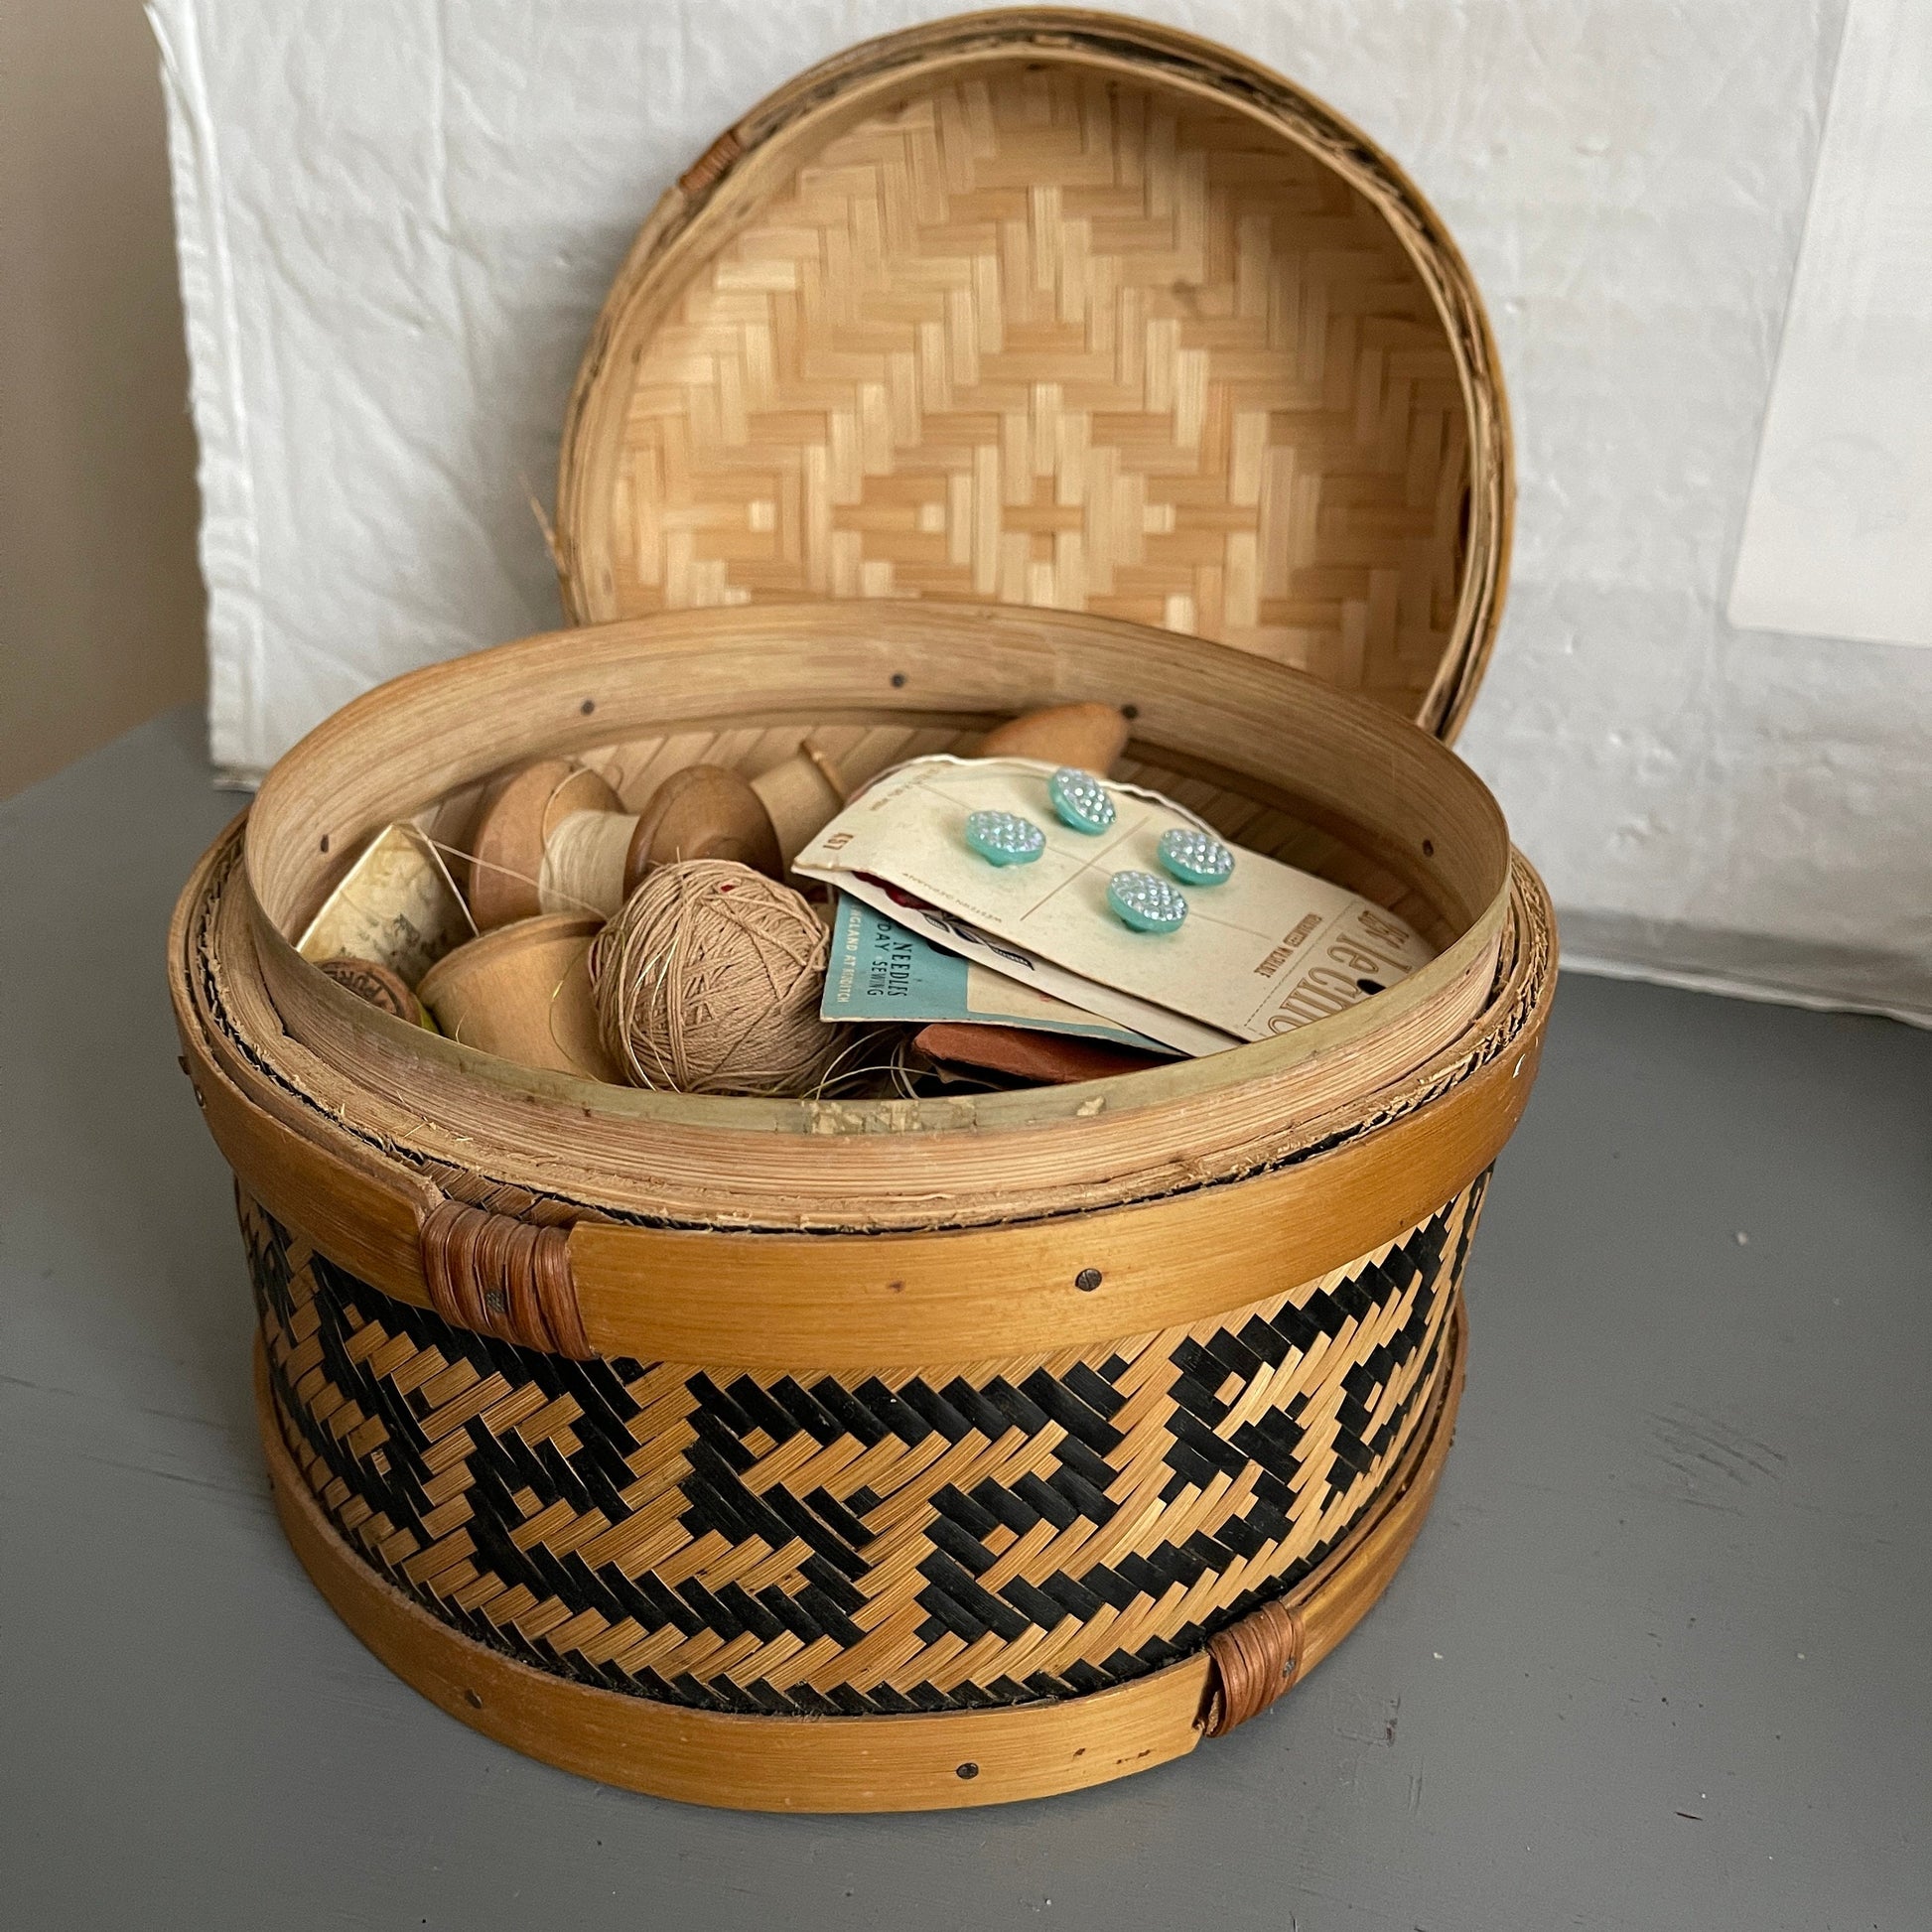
[397,751]
[757,176]
[709,1163]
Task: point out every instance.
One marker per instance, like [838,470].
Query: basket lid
[1057,309]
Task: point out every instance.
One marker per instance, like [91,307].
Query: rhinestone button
[1195,858]
[1080,799]
[1005,838]
[1146,902]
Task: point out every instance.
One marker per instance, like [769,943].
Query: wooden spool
[801,795]
[384,990]
[700,811]
[519,817]
[863,1454]
[521,993]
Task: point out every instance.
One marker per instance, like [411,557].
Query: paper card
[882,970]
[396,905]
[1269,951]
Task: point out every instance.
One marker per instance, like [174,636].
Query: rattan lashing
[503,1275]
[1256,1659]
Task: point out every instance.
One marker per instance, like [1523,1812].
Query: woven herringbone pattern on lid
[1046,339]
[986,1533]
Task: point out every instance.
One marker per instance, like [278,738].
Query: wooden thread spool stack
[523,993]
[555,837]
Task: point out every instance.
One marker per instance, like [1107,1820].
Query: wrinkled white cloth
[1837,530]
[398,217]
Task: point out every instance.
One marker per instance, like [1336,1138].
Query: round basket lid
[1064,310]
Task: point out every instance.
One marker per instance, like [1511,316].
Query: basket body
[797,1456]
[870,1456]
[985,1581]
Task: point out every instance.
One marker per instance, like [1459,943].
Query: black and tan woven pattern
[856,1545]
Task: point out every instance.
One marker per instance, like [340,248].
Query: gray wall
[100,600]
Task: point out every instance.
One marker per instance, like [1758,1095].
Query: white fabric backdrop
[397,219]
[1838,529]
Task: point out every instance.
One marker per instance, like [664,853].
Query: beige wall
[100,600]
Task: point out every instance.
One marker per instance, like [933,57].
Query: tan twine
[708,981]
[584,864]
[582,871]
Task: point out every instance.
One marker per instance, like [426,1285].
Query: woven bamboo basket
[884,1455]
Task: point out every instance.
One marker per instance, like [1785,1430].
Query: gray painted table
[1662,1657]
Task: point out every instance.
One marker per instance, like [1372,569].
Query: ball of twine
[708,981]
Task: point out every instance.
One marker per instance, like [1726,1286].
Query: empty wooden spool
[522,993]
[381,988]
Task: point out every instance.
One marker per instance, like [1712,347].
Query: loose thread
[510,872]
[434,851]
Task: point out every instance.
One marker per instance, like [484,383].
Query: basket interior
[1346,854]
[1277,761]
[1281,762]
[1052,330]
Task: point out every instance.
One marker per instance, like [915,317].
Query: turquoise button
[1080,799]
[1195,858]
[1005,838]
[1146,902]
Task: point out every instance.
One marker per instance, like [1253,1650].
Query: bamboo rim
[229,1023]
[662,1276]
